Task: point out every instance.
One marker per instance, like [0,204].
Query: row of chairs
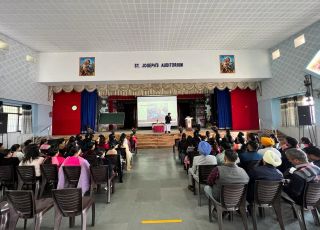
[67,202]
[267,194]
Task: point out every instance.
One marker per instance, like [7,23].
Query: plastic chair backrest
[22,202]
[68,201]
[232,195]
[266,192]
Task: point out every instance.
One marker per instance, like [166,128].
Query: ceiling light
[275,54]
[299,41]
[30,59]
[3,45]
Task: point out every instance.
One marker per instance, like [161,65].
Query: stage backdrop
[244,109]
[65,120]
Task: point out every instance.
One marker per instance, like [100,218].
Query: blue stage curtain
[88,109]
[223,108]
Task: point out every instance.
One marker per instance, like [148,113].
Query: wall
[117,67]
[287,77]
[18,85]
[18,78]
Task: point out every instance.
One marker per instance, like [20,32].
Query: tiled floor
[156,188]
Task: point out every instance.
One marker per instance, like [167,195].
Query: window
[14,117]
[289,110]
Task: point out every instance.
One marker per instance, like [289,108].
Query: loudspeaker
[304,115]
[26,107]
[3,122]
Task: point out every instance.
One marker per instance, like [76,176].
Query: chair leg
[36,192]
[194,186]
[219,213]
[43,185]
[57,220]
[277,209]
[199,194]
[72,221]
[25,224]
[244,217]
[254,216]
[109,192]
[13,220]
[93,212]
[315,216]
[299,216]
[210,210]
[302,216]
[84,220]
[37,221]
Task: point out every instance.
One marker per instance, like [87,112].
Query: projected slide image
[154,109]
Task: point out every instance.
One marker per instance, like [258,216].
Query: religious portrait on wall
[87,66]
[314,65]
[227,64]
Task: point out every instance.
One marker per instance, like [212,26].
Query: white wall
[117,67]
[18,78]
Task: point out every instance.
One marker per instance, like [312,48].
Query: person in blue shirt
[251,158]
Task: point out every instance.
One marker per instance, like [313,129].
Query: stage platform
[147,139]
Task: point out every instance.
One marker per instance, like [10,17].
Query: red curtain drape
[244,109]
[66,121]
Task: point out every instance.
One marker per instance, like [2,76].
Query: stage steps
[152,141]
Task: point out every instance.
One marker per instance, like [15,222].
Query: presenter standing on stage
[168,123]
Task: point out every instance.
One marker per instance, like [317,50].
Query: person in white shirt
[267,143]
[204,158]
[16,151]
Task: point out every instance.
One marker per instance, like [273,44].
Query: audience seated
[54,156]
[187,156]
[217,136]
[228,137]
[205,158]
[74,159]
[305,143]
[32,158]
[267,144]
[196,138]
[225,174]
[298,176]
[267,171]
[290,143]
[275,140]
[225,145]
[102,145]
[44,144]
[9,159]
[251,158]
[313,154]
[16,151]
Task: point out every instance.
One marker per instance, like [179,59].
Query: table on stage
[158,128]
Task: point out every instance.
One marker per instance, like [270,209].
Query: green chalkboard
[111,118]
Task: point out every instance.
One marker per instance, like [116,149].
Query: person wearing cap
[302,173]
[268,171]
[228,173]
[268,143]
[204,158]
[313,154]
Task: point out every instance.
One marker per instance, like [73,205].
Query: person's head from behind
[74,150]
[225,145]
[27,142]
[7,153]
[91,146]
[252,146]
[183,136]
[275,139]
[72,139]
[53,151]
[189,140]
[102,139]
[228,132]
[196,133]
[296,156]
[207,134]
[291,142]
[313,153]
[169,114]
[15,148]
[230,156]
[204,148]
[271,158]
[43,141]
[267,141]
[305,141]
[31,152]
[78,137]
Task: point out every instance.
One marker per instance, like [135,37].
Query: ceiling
[154,25]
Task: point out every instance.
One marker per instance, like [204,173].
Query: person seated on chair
[290,143]
[225,174]
[250,158]
[298,176]
[268,171]
[32,158]
[9,159]
[229,137]
[17,152]
[267,144]
[205,158]
[225,145]
[187,155]
[313,154]
[54,156]
[123,143]
[74,159]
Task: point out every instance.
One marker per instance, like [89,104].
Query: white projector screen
[154,109]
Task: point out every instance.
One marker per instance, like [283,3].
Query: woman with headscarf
[204,158]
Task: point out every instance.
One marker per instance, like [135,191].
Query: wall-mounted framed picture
[227,64]
[87,66]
